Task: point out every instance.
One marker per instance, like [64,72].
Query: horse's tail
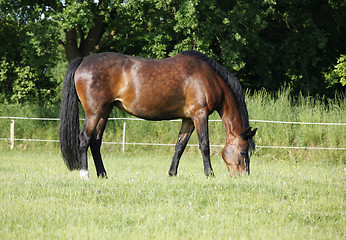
[69,119]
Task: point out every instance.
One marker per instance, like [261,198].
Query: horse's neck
[231,117]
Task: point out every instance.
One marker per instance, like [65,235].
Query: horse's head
[237,153]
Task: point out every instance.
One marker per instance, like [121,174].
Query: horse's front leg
[201,124]
[186,130]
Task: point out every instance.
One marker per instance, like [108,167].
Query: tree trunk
[71,48]
[87,45]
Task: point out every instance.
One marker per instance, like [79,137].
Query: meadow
[281,199]
[290,194]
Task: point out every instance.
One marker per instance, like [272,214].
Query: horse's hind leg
[85,137]
[95,145]
[186,130]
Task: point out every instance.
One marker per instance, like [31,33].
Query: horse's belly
[154,109]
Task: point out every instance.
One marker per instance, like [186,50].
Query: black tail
[69,119]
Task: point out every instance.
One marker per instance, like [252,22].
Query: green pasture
[291,194]
[281,199]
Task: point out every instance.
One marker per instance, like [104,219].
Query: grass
[291,194]
[282,199]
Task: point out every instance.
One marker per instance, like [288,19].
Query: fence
[12,138]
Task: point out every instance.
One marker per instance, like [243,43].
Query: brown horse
[189,86]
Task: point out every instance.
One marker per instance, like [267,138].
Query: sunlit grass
[282,199]
[291,194]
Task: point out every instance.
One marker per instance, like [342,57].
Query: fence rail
[12,138]
[177,120]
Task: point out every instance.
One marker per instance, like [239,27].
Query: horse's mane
[230,80]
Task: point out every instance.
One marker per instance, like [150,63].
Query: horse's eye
[243,153]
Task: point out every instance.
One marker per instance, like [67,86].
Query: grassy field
[291,194]
[282,199]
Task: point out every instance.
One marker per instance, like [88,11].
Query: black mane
[231,81]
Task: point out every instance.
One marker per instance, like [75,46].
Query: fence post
[124,136]
[12,134]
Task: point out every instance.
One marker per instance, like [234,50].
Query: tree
[303,39]
[25,55]
[264,43]
[31,33]
[338,73]
[84,24]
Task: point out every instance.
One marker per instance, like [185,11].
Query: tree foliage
[266,44]
[338,73]
[26,53]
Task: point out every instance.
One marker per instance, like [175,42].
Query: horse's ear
[248,133]
[253,132]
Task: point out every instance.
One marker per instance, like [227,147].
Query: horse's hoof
[172,174]
[84,174]
[102,175]
[210,174]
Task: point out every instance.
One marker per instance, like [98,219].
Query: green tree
[265,43]
[32,32]
[25,56]
[303,39]
[338,73]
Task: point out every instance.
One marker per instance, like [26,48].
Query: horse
[188,86]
